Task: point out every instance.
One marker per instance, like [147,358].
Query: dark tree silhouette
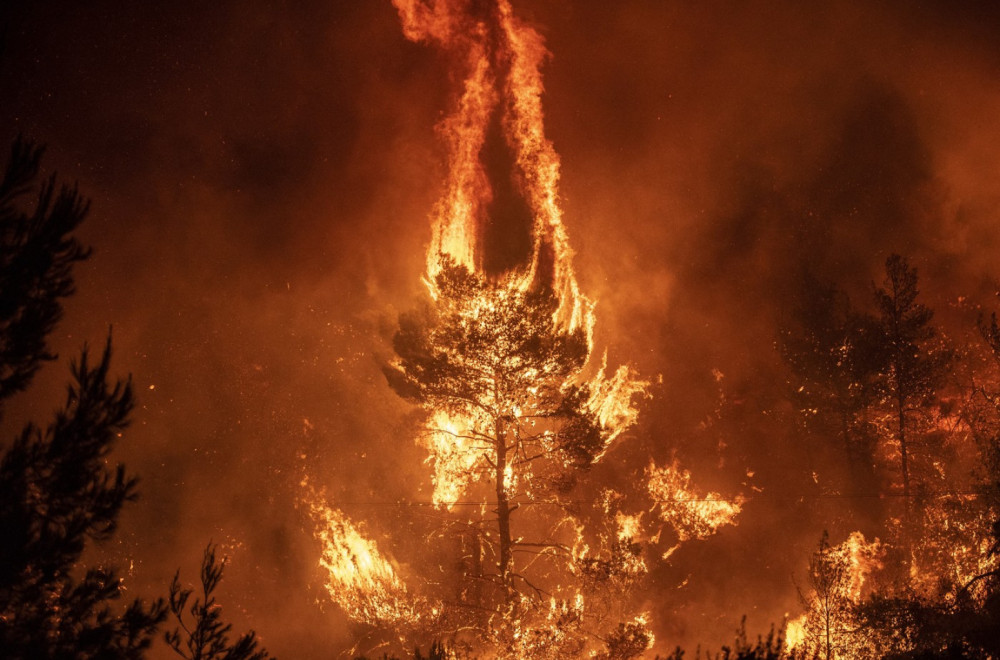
[37,254]
[771,647]
[437,651]
[205,636]
[833,352]
[916,363]
[967,625]
[57,489]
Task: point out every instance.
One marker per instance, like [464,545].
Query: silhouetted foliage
[58,492]
[630,640]
[37,254]
[833,352]
[964,625]
[203,635]
[437,651]
[57,488]
[770,647]
[916,363]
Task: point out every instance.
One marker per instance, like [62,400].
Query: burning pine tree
[518,404]
[513,421]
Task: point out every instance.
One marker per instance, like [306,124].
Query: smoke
[261,178]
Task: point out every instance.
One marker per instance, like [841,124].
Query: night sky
[261,175]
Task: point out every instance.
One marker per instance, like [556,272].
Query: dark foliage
[834,354]
[965,626]
[56,493]
[437,651]
[485,349]
[629,640]
[57,488]
[917,363]
[204,636]
[37,254]
[770,647]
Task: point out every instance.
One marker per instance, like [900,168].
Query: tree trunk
[901,435]
[828,625]
[503,508]
[845,433]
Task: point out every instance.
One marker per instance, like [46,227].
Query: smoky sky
[261,174]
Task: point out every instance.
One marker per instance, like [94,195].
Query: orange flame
[693,516]
[501,59]
[359,578]
[498,59]
[839,574]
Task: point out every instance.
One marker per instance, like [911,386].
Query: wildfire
[837,576]
[500,58]
[693,516]
[954,547]
[359,578]
[612,399]
[516,397]
[795,632]
[456,455]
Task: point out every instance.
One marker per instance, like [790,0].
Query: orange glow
[838,575]
[692,516]
[359,578]
[517,98]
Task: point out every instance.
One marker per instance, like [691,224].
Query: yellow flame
[518,100]
[629,527]
[862,558]
[693,516]
[795,633]
[455,457]
[838,576]
[359,578]
[612,399]
[954,546]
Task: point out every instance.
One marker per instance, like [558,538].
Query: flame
[693,516]
[629,527]
[795,632]
[612,399]
[838,575]
[500,59]
[359,578]
[862,559]
[953,547]
[456,456]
